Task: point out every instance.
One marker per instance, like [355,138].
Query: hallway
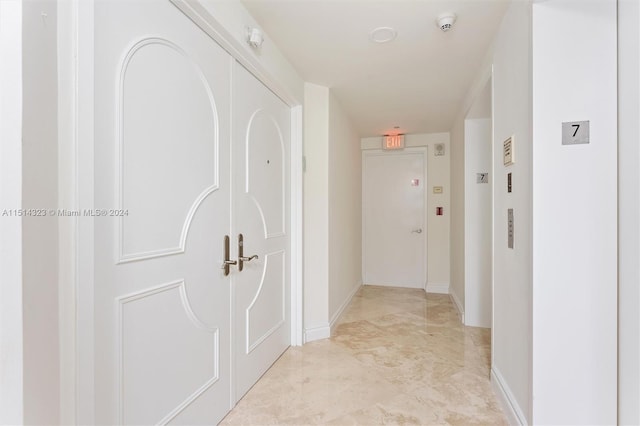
[398,356]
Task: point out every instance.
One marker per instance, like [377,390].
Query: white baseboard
[458,304]
[317,333]
[336,316]
[439,288]
[514,413]
[324,331]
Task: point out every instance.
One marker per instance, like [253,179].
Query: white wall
[29,371]
[554,341]
[438,227]
[575,218]
[345,210]
[332,211]
[316,211]
[40,233]
[478,221]
[629,212]
[512,268]
[11,352]
[476,104]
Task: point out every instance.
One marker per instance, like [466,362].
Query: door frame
[76,187]
[381,153]
[11,304]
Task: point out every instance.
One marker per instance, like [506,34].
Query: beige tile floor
[398,356]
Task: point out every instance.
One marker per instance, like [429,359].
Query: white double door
[184,157]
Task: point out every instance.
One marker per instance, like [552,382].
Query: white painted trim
[458,305]
[11,304]
[84,188]
[297,228]
[514,413]
[347,301]
[67,199]
[317,333]
[493,224]
[437,288]
[425,201]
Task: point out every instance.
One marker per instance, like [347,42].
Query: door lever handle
[248,259]
[417,231]
[241,257]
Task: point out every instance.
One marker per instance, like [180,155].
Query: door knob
[241,257]
[417,231]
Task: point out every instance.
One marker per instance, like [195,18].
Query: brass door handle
[248,259]
[417,231]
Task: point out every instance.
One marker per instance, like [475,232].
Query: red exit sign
[393,142]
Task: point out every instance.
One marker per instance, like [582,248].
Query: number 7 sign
[575,132]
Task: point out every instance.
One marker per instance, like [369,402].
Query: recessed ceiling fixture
[383,35]
[446,20]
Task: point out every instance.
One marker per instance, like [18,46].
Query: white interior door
[261,199]
[394,228]
[169,324]
[162,303]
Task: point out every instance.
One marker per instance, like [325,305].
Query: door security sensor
[446,20]
[254,37]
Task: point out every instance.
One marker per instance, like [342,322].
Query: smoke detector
[446,20]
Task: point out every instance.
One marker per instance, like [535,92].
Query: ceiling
[416,82]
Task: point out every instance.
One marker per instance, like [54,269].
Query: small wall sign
[575,132]
[438,149]
[508,151]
